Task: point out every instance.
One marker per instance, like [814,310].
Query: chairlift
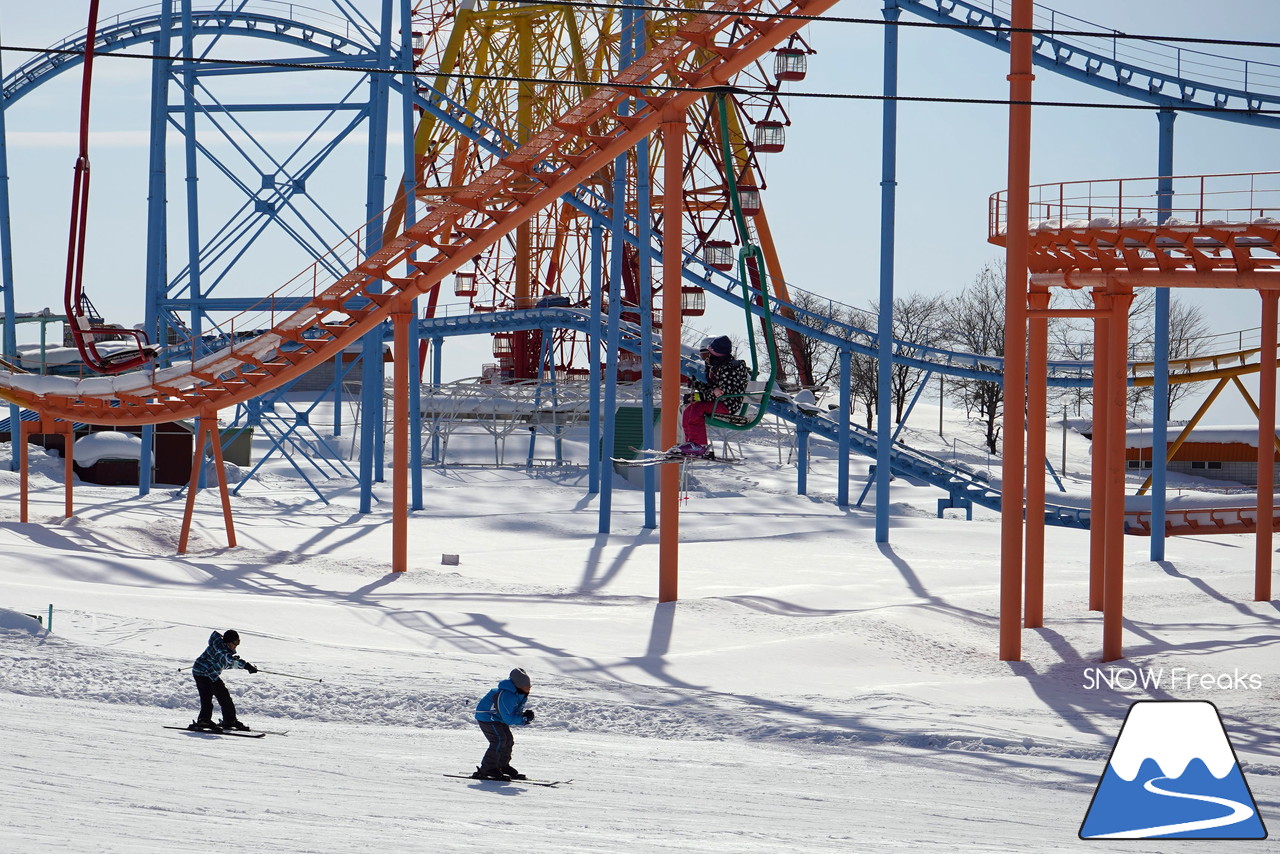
[87,330]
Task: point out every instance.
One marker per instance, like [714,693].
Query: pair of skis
[239,733]
[650,457]
[548,784]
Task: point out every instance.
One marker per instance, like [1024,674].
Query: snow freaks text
[1168,679]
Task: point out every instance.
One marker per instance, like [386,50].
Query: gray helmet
[520,679]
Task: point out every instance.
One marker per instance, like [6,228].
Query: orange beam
[215,445]
[673,129]
[1113,574]
[197,457]
[1012,463]
[1266,451]
[400,320]
[1098,455]
[69,467]
[1037,421]
[25,429]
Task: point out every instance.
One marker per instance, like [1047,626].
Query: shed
[1217,452]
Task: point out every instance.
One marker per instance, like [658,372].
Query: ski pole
[290,675]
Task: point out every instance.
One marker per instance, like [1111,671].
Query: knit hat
[231,636]
[721,346]
[520,679]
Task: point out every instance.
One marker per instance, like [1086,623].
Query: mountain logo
[1173,774]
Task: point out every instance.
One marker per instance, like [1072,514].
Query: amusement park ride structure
[545,145]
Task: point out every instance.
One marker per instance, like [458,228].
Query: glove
[250,667]
[528,716]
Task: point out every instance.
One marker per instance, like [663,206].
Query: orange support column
[215,445]
[197,459]
[25,429]
[400,320]
[206,428]
[1013,463]
[1098,452]
[1037,419]
[1266,448]
[1117,408]
[68,431]
[673,129]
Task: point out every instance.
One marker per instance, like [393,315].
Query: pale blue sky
[823,191]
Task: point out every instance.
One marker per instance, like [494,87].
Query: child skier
[207,670]
[500,710]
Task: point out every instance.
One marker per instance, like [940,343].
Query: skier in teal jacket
[496,713]
[207,671]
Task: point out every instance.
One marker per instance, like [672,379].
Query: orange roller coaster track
[584,140]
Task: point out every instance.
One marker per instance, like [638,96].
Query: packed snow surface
[810,690]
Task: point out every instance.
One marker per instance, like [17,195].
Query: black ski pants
[498,756]
[210,688]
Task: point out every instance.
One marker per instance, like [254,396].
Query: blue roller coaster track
[1160,74]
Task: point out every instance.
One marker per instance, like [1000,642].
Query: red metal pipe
[1098,452]
[673,130]
[1037,419]
[1012,463]
[400,321]
[1266,450]
[1117,394]
[215,445]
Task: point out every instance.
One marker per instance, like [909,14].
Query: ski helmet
[520,679]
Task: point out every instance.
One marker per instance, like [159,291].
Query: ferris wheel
[503,71]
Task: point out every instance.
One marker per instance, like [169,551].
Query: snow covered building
[1227,453]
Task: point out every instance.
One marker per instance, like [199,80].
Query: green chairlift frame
[752,406]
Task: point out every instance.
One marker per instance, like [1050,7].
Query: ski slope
[810,690]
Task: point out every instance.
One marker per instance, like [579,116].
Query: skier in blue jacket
[500,710]
[207,670]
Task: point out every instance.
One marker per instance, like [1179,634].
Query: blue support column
[618,224]
[6,281]
[644,228]
[842,443]
[157,270]
[192,178]
[644,237]
[593,360]
[409,156]
[437,373]
[884,328]
[371,373]
[802,461]
[1160,386]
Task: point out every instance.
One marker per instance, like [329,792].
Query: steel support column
[673,130]
[1266,449]
[1037,424]
[1098,452]
[1160,372]
[1013,462]
[405,355]
[1117,400]
[884,323]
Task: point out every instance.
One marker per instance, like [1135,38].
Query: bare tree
[976,322]
[917,320]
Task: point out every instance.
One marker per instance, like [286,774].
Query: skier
[720,394]
[207,670]
[500,710]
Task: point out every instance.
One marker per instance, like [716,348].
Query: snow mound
[12,621]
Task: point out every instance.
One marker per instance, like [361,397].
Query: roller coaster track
[552,163]
[1154,72]
[278,21]
[335,314]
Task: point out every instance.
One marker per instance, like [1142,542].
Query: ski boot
[204,726]
[513,774]
[490,775]
[236,725]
